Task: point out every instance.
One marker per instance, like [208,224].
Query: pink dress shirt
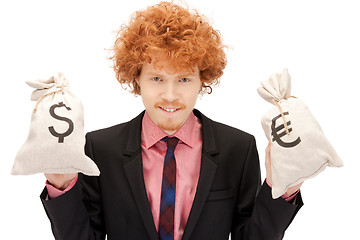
[188,159]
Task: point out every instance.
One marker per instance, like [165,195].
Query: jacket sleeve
[77,214]
[258,216]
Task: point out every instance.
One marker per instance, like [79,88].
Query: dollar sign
[277,137]
[61,136]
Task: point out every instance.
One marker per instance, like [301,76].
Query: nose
[170,91]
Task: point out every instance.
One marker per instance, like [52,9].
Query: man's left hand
[291,190]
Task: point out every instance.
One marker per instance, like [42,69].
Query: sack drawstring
[48,94]
[276,102]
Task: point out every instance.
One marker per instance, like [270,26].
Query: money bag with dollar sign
[55,143]
[299,148]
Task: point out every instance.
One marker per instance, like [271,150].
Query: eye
[156,79]
[184,80]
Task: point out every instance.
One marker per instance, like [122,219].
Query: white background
[318,41]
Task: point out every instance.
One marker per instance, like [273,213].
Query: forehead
[167,66]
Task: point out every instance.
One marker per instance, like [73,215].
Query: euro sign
[61,136]
[277,137]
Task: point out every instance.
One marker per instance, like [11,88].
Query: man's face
[169,97]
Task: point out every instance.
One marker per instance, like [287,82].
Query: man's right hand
[60,181]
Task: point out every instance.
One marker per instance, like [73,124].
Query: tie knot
[171,141]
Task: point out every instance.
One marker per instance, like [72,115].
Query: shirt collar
[151,134]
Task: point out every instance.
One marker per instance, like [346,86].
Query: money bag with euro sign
[299,148]
[55,143]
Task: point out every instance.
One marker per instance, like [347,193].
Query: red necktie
[167,203]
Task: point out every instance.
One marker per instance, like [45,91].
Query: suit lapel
[134,173]
[207,173]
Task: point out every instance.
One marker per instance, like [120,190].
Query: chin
[169,127]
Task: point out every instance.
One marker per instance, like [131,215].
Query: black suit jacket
[228,197]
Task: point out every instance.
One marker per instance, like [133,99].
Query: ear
[202,86]
[137,80]
[137,75]
[136,86]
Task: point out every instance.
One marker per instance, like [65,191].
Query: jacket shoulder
[109,131]
[118,134]
[222,131]
[229,131]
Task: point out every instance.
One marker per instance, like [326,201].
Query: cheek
[190,101]
[193,94]
[146,99]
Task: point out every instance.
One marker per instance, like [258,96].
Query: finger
[267,154]
[268,147]
[268,164]
[291,190]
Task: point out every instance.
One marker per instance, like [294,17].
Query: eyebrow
[183,74]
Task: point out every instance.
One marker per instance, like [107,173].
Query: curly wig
[167,28]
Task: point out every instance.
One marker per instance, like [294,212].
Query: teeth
[169,109]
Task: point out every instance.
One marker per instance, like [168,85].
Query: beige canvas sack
[55,143]
[299,149]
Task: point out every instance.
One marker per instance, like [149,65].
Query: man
[171,172]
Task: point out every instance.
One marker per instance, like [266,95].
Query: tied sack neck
[276,89]
[57,83]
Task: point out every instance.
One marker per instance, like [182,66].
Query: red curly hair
[167,28]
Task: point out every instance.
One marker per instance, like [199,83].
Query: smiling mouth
[170,110]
